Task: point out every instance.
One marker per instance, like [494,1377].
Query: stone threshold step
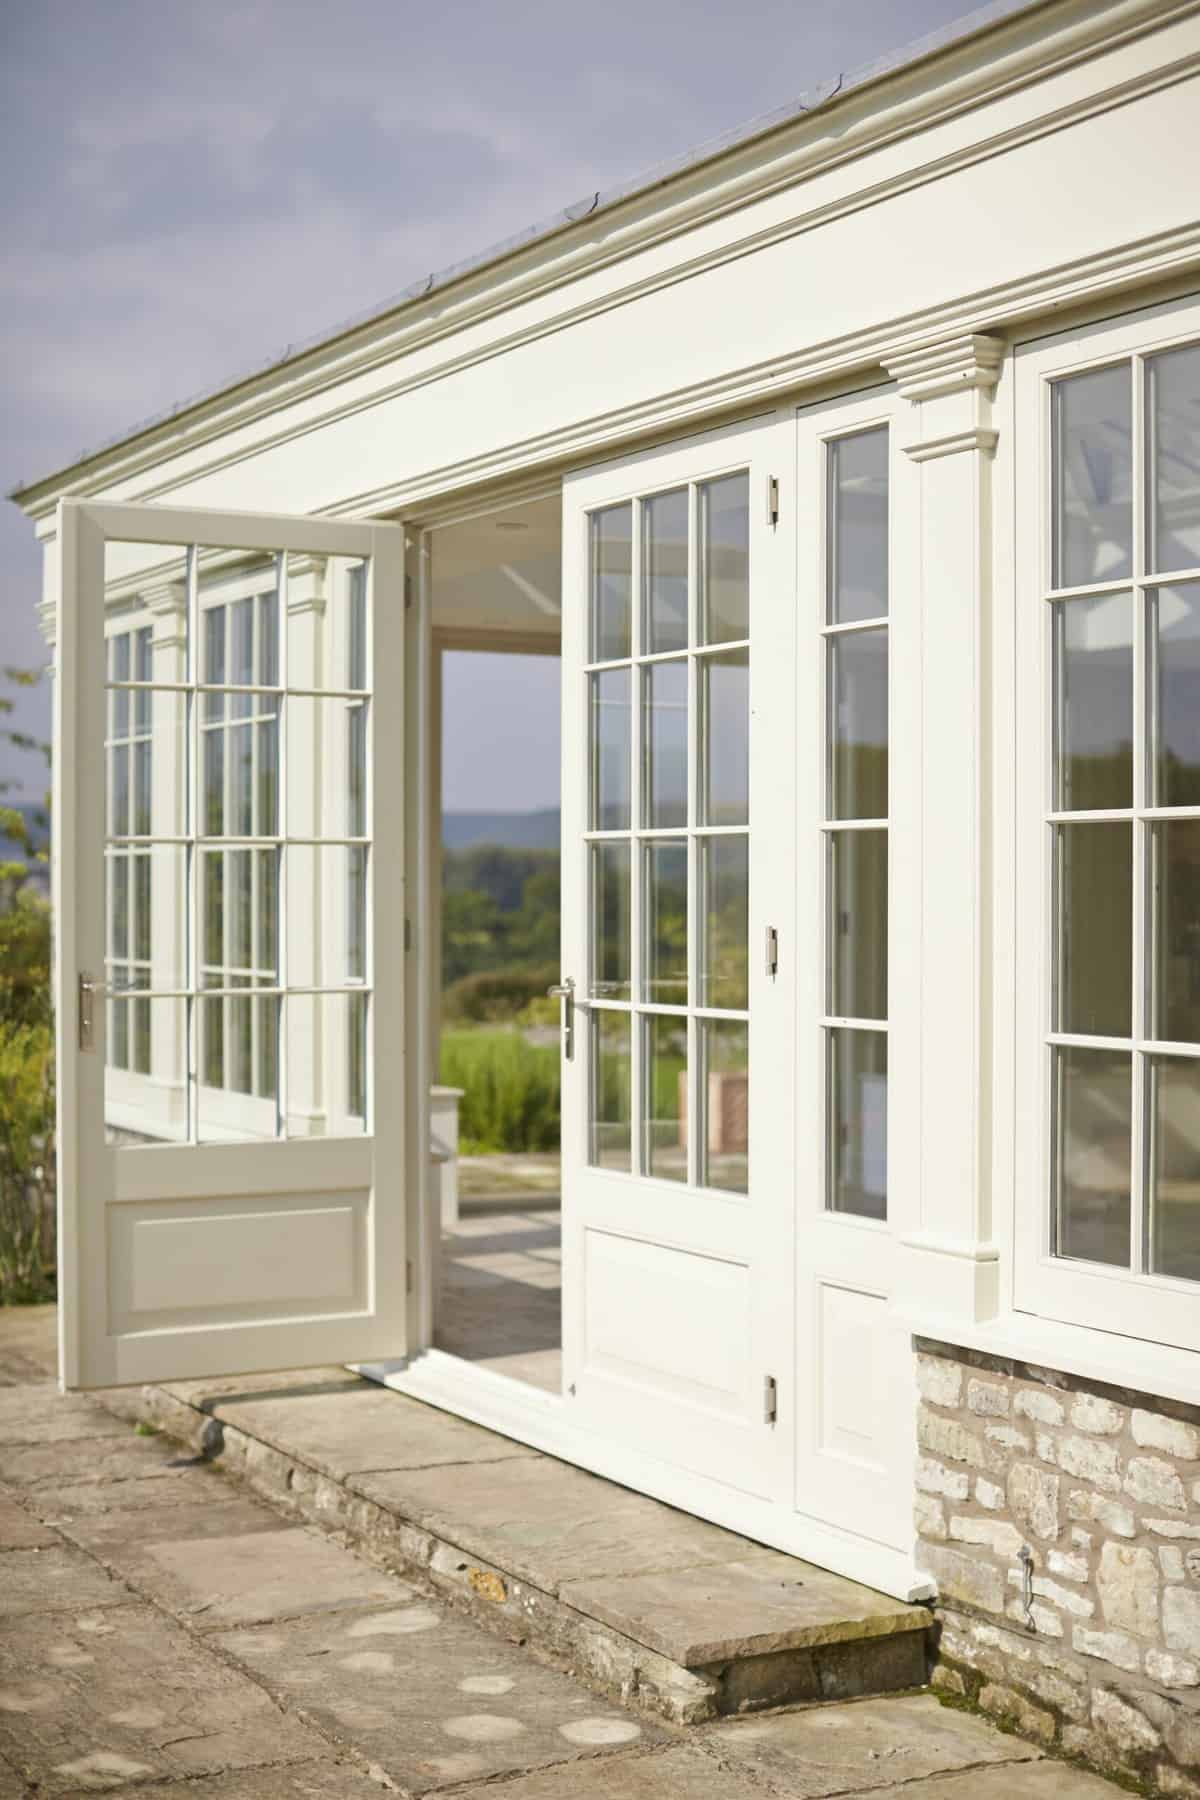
[665,1612]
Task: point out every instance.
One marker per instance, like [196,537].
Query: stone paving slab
[548,1523]
[762,1603]
[100,1459]
[431,1698]
[1030,1781]
[20,1530]
[366,1428]
[97,1699]
[29,1415]
[865,1746]
[311,1781]
[118,1522]
[53,1580]
[679,1772]
[11,1785]
[257,1576]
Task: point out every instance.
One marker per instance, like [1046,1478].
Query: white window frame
[1158,1309]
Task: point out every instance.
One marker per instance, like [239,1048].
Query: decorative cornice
[951,366]
[978,437]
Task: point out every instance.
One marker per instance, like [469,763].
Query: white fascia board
[999,58]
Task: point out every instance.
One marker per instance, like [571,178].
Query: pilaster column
[952,1264]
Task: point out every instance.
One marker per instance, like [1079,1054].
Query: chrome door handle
[564,991]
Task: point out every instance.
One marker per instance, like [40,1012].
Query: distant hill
[507,830]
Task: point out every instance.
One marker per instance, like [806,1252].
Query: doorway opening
[495,874]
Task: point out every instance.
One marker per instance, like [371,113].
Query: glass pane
[725,738]
[326,914]
[1093,1127]
[1174,429]
[328,627]
[239,1035]
[239,764]
[1176,983]
[1093,648]
[858,704]
[1174,1222]
[858,897]
[858,527]
[725,1092]
[326,1061]
[724,524]
[1095,914]
[665,572]
[146,917]
[858,1123]
[145,1077]
[611,750]
[665,736]
[610,1140]
[664,1085]
[610,921]
[611,547]
[1175,620]
[120,656]
[725,953]
[1093,463]
[665,973]
[327,765]
[136,576]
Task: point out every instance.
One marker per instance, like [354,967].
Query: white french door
[233,1139]
[678,874]
[857,912]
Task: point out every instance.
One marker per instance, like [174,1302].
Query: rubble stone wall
[1061,1519]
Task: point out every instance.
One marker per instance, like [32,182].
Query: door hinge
[409,592]
[772,500]
[89,991]
[408,1276]
[772,958]
[408,934]
[770,1400]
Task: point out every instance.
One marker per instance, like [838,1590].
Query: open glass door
[678,866]
[229,906]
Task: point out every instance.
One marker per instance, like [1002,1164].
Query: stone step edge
[616,1664]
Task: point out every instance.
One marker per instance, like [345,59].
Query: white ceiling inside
[500,574]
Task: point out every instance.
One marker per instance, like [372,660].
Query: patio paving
[166,1632]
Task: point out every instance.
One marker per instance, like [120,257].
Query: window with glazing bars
[129,758]
[1122,609]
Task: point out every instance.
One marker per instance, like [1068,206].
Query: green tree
[27,1146]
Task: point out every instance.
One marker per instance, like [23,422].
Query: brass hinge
[772,957]
[90,990]
[770,1400]
[772,500]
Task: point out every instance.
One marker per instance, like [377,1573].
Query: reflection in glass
[145,1036]
[1175,621]
[724,524]
[610,1141]
[665,738]
[610,921]
[610,535]
[858,923]
[857,1137]
[858,527]
[1176,886]
[1094,987]
[858,706]
[1174,1221]
[724,912]
[1174,429]
[611,750]
[665,976]
[340,1022]
[1093,465]
[665,572]
[1093,652]
[1092,1151]
[725,738]
[725,1092]
[664,1084]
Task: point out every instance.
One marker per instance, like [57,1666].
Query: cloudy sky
[190,185]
